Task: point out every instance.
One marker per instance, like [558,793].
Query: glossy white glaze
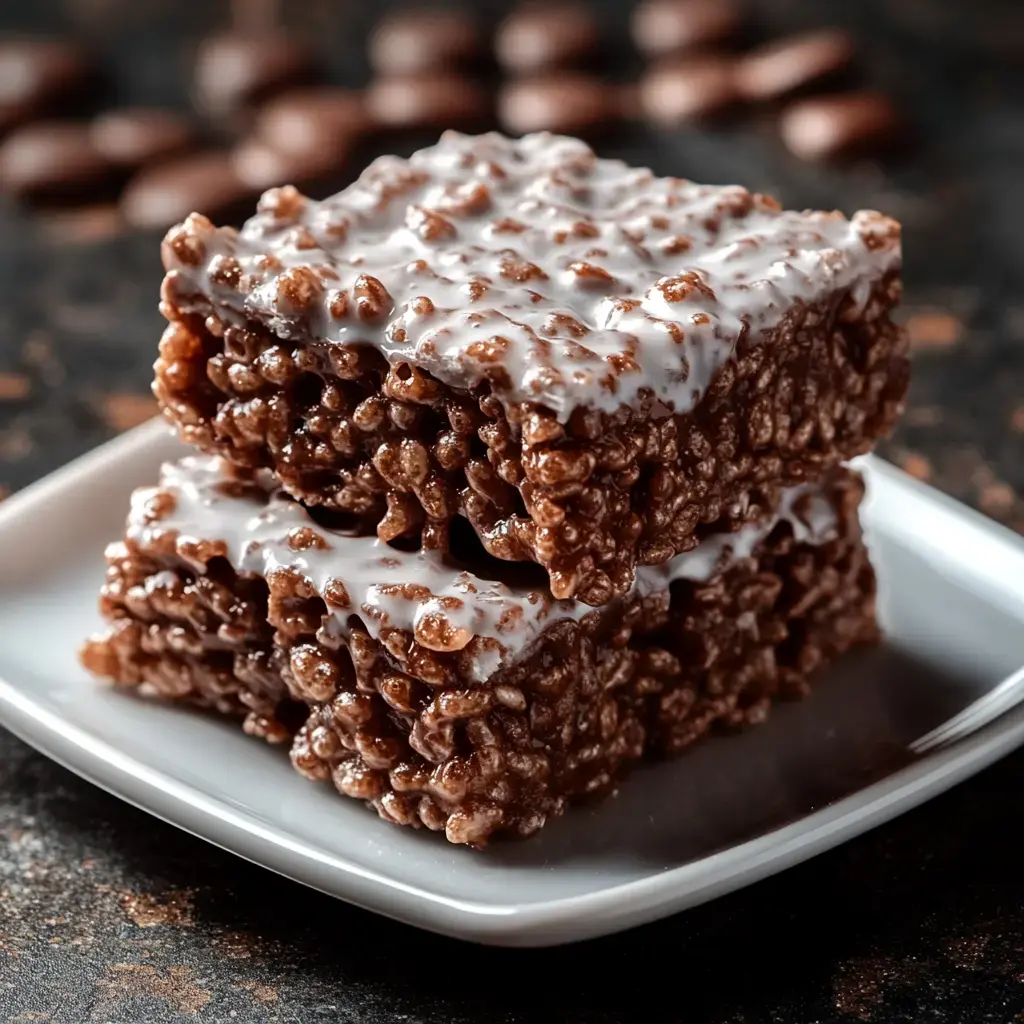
[411,590]
[559,277]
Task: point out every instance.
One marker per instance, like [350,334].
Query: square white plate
[885,731]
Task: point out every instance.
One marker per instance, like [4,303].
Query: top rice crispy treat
[593,365]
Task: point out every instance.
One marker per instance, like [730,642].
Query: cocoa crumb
[148,910]
[858,988]
[261,993]
[124,982]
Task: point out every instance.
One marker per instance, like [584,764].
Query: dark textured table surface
[109,915]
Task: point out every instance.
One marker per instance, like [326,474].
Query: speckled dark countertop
[108,915]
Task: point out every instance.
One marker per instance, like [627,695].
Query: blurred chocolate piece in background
[682,90]
[662,27]
[40,77]
[257,85]
[435,100]
[93,222]
[54,162]
[302,137]
[410,41]
[840,126]
[303,120]
[791,65]
[538,37]
[566,102]
[234,73]
[134,137]
[260,165]
[202,183]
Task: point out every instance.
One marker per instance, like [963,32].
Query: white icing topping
[559,277]
[256,533]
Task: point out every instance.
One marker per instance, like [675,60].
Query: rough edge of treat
[291,287]
[588,502]
[202,508]
[392,724]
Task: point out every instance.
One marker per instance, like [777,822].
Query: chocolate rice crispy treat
[442,696]
[587,362]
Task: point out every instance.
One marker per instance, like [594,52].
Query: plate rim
[537,924]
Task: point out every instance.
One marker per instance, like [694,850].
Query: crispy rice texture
[426,344]
[401,727]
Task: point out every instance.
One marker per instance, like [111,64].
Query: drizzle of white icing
[559,277]
[256,529]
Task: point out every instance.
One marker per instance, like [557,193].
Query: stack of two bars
[519,465]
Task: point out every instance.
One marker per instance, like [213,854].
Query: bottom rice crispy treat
[457,696]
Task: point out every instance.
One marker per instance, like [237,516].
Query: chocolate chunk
[262,166]
[536,38]
[789,65]
[670,26]
[302,137]
[680,91]
[829,127]
[137,136]
[39,76]
[410,42]
[234,72]
[434,100]
[306,121]
[167,193]
[567,103]
[54,161]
